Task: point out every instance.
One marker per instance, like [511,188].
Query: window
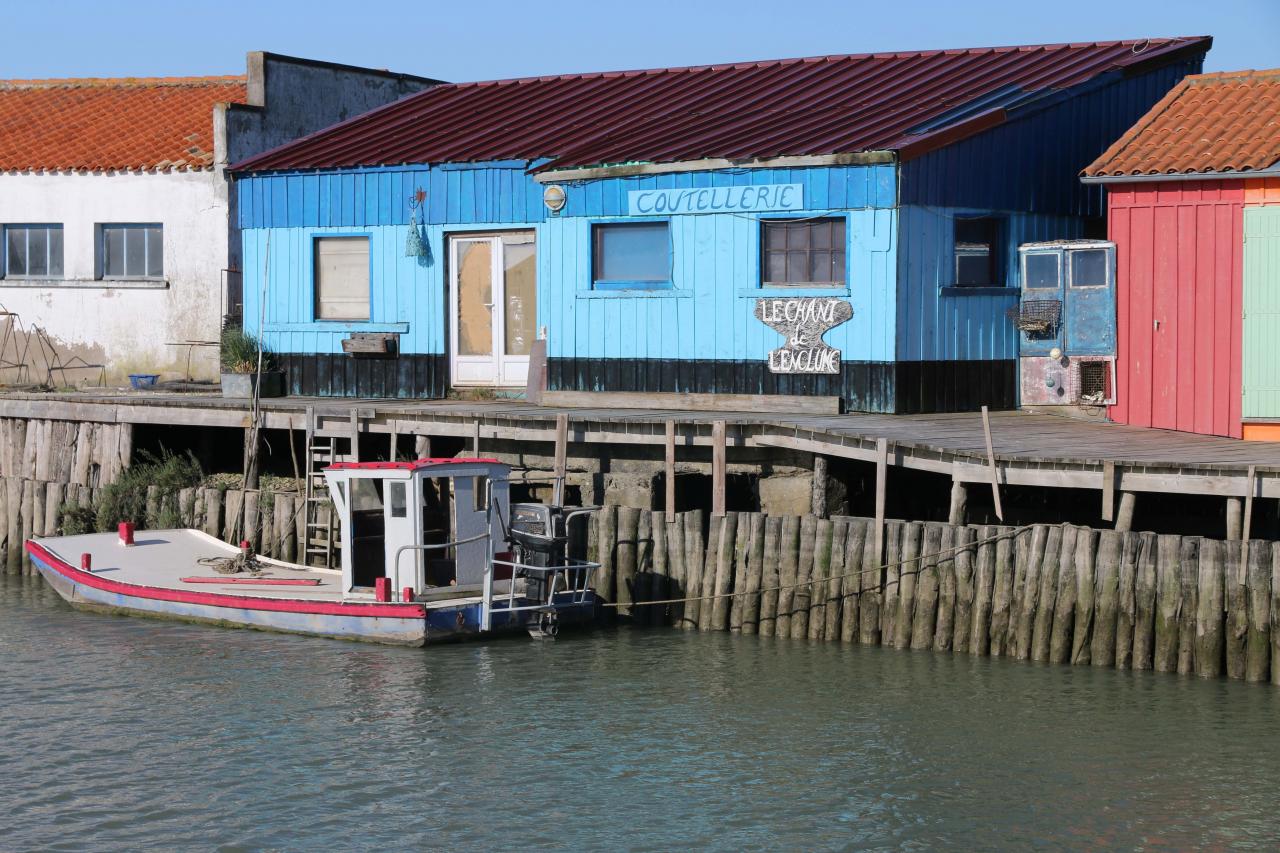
[803,254]
[32,251]
[131,251]
[1041,270]
[397,493]
[342,278]
[631,255]
[1089,268]
[979,250]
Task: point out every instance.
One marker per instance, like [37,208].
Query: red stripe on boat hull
[213,599]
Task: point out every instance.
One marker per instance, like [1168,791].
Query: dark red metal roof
[748,110]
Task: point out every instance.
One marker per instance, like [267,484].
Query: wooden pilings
[1060,594]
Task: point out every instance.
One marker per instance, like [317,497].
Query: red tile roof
[93,124]
[749,110]
[1226,122]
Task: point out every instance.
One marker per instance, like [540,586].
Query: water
[119,733]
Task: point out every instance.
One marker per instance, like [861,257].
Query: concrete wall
[124,324]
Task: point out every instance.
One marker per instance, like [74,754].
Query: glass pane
[342,278]
[113,252]
[1042,270]
[37,251]
[639,252]
[820,234]
[475,298]
[797,236]
[837,272]
[366,495]
[820,266]
[396,500]
[1089,268]
[775,268]
[973,267]
[55,250]
[155,251]
[837,233]
[797,267]
[135,252]
[520,268]
[775,236]
[15,240]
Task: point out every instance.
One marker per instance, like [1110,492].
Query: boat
[432,551]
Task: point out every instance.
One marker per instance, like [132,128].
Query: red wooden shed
[1198,331]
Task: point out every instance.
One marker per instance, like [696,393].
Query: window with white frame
[342,278]
[32,251]
[131,250]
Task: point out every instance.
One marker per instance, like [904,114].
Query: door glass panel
[1089,268]
[475,298]
[398,507]
[520,283]
[1042,271]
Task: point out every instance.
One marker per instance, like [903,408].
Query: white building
[118,240]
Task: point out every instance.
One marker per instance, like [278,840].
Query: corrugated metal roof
[750,110]
[1225,122]
[111,124]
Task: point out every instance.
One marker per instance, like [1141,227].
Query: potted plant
[239,358]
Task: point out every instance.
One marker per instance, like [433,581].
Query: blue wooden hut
[840,227]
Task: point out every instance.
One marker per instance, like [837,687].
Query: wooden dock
[1026,449]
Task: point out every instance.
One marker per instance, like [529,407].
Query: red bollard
[126,532]
[406,594]
[86,562]
[382,589]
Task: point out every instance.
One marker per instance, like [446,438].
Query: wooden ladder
[322,541]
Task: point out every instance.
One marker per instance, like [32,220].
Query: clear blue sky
[479,40]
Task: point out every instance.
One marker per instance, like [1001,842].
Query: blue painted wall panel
[1033,160]
[933,325]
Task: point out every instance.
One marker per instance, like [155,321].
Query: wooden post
[393,441]
[683,583]
[726,526]
[562,459]
[755,575]
[669,472]
[1236,628]
[1126,598]
[818,493]
[991,462]
[788,565]
[912,535]
[1102,647]
[870,594]
[1108,491]
[1251,486]
[894,535]
[355,437]
[882,472]
[475,439]
[717,468]
[1144,597]
[770,574]
[823,547]
[607,552]
[925,613]
[741,552]
[804,571]
[959,500]
[1209,607]
[984,592]
[1235,511]
[1124,516]
[1257,655]
[250,457]
[850,588]
[1189,560]
[1081,639]
[628,534]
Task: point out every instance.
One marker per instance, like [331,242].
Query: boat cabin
[417,525]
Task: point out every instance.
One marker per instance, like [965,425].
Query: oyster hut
[837,232]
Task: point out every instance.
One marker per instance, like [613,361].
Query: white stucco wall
[125,324]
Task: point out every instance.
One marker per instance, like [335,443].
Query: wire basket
[1037,316]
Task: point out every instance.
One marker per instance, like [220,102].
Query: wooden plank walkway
[1031,449]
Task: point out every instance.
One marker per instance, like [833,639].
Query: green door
[1261,312]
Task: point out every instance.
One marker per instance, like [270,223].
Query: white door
[492,308]
[400,510]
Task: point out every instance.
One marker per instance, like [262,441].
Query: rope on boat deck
[874,570]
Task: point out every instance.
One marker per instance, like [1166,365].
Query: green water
[119,733]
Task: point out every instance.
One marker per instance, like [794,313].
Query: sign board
[716,200]
[803,321]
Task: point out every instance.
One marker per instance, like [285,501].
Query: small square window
[1041,270]
[128,251]
[1088,268]
[32,251]
[979,249]
[631,255]
[803,254]
[396,492]
[342,278]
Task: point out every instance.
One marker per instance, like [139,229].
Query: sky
[478,40]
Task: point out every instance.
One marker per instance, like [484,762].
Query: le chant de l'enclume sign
[803,321]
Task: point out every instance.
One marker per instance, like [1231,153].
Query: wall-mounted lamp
[554,198]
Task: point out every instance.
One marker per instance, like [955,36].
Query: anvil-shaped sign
[803,321]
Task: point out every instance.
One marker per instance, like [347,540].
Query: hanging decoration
[416,245]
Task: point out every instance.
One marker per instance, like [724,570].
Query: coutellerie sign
[803,321]
[716,200]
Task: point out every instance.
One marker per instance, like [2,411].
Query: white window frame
[28,227]
[104,228]
[316,241]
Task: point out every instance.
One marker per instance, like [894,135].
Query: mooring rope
[874,570]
